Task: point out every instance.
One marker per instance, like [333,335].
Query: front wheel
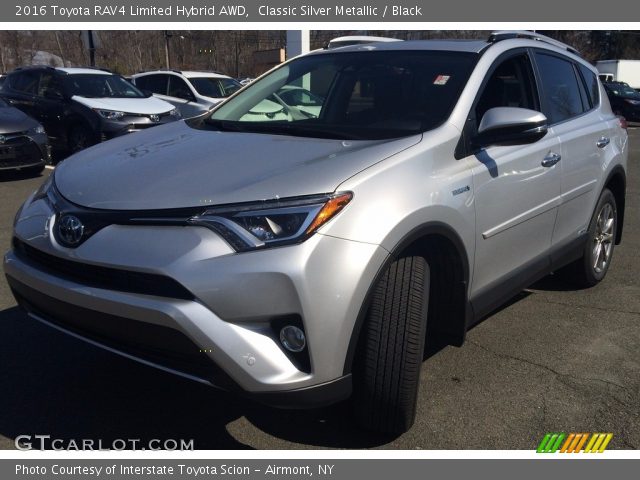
[80,137]
[387,366]
[592,267]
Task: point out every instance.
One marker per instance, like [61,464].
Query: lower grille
[19,151]
[162,346]
[102,277]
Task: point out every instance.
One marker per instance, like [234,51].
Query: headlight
[110,114]
[37,130]
[267,224]
[175,113]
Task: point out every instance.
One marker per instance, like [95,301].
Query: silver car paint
[503,216]
[184,167]
[225,319]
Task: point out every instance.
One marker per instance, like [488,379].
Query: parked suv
[304,259]
[193,93]
[82,106]
[624,100]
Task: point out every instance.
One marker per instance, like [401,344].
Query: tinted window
[511,84]
[215,87]
[153,83]
[559,87]
[363,95]
[49,85]
[591,82]
[178,88]
[96,85]
[25,82]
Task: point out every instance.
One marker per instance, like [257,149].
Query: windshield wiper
[273,128]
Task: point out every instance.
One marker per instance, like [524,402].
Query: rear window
[591,84]
[25,82]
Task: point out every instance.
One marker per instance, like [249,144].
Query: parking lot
[554,359]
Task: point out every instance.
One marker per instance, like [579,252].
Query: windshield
[622,90]
[100,86]
[215,87]
[355,95]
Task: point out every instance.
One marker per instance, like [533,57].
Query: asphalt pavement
[555,359]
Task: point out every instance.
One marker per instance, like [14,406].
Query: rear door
[516,196]
[570,98]
[50,104]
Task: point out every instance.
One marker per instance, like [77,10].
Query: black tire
[587,271]
[34,171]
[79,138]
[386,372]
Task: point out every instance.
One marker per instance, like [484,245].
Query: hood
[13,120]
[142,106]
[176,166]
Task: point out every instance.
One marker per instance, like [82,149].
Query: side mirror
[510,126]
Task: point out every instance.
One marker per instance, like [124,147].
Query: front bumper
[223,334]
[24,151]
[116,128]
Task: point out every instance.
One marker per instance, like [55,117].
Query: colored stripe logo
[574,442]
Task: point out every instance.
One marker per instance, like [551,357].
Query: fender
[456,334]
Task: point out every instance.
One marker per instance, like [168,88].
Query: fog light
[292,338]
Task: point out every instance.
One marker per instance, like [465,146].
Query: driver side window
[511,84]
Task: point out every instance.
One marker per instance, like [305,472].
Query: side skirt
[493,296]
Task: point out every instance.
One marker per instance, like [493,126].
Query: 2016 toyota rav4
[301,258]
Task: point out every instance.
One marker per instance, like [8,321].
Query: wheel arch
[617,182]
[448,261]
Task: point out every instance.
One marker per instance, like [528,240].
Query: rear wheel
[592,267]
[387,366]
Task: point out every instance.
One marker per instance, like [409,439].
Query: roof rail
[508,34]
[169,70]
[28,67]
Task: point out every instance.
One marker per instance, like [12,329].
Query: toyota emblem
[2,139]
[154,118]
[70,230]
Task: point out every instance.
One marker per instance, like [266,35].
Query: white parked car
[193,93]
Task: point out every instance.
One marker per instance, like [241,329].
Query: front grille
[102,277]
[19,150]
[160,345]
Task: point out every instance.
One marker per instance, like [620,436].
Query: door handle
[551,159]
[603,142]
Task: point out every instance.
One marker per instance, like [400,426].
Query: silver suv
[299,259]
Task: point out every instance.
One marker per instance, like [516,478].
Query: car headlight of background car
[175,113]
[266,224]
[110,114]
[37,130]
